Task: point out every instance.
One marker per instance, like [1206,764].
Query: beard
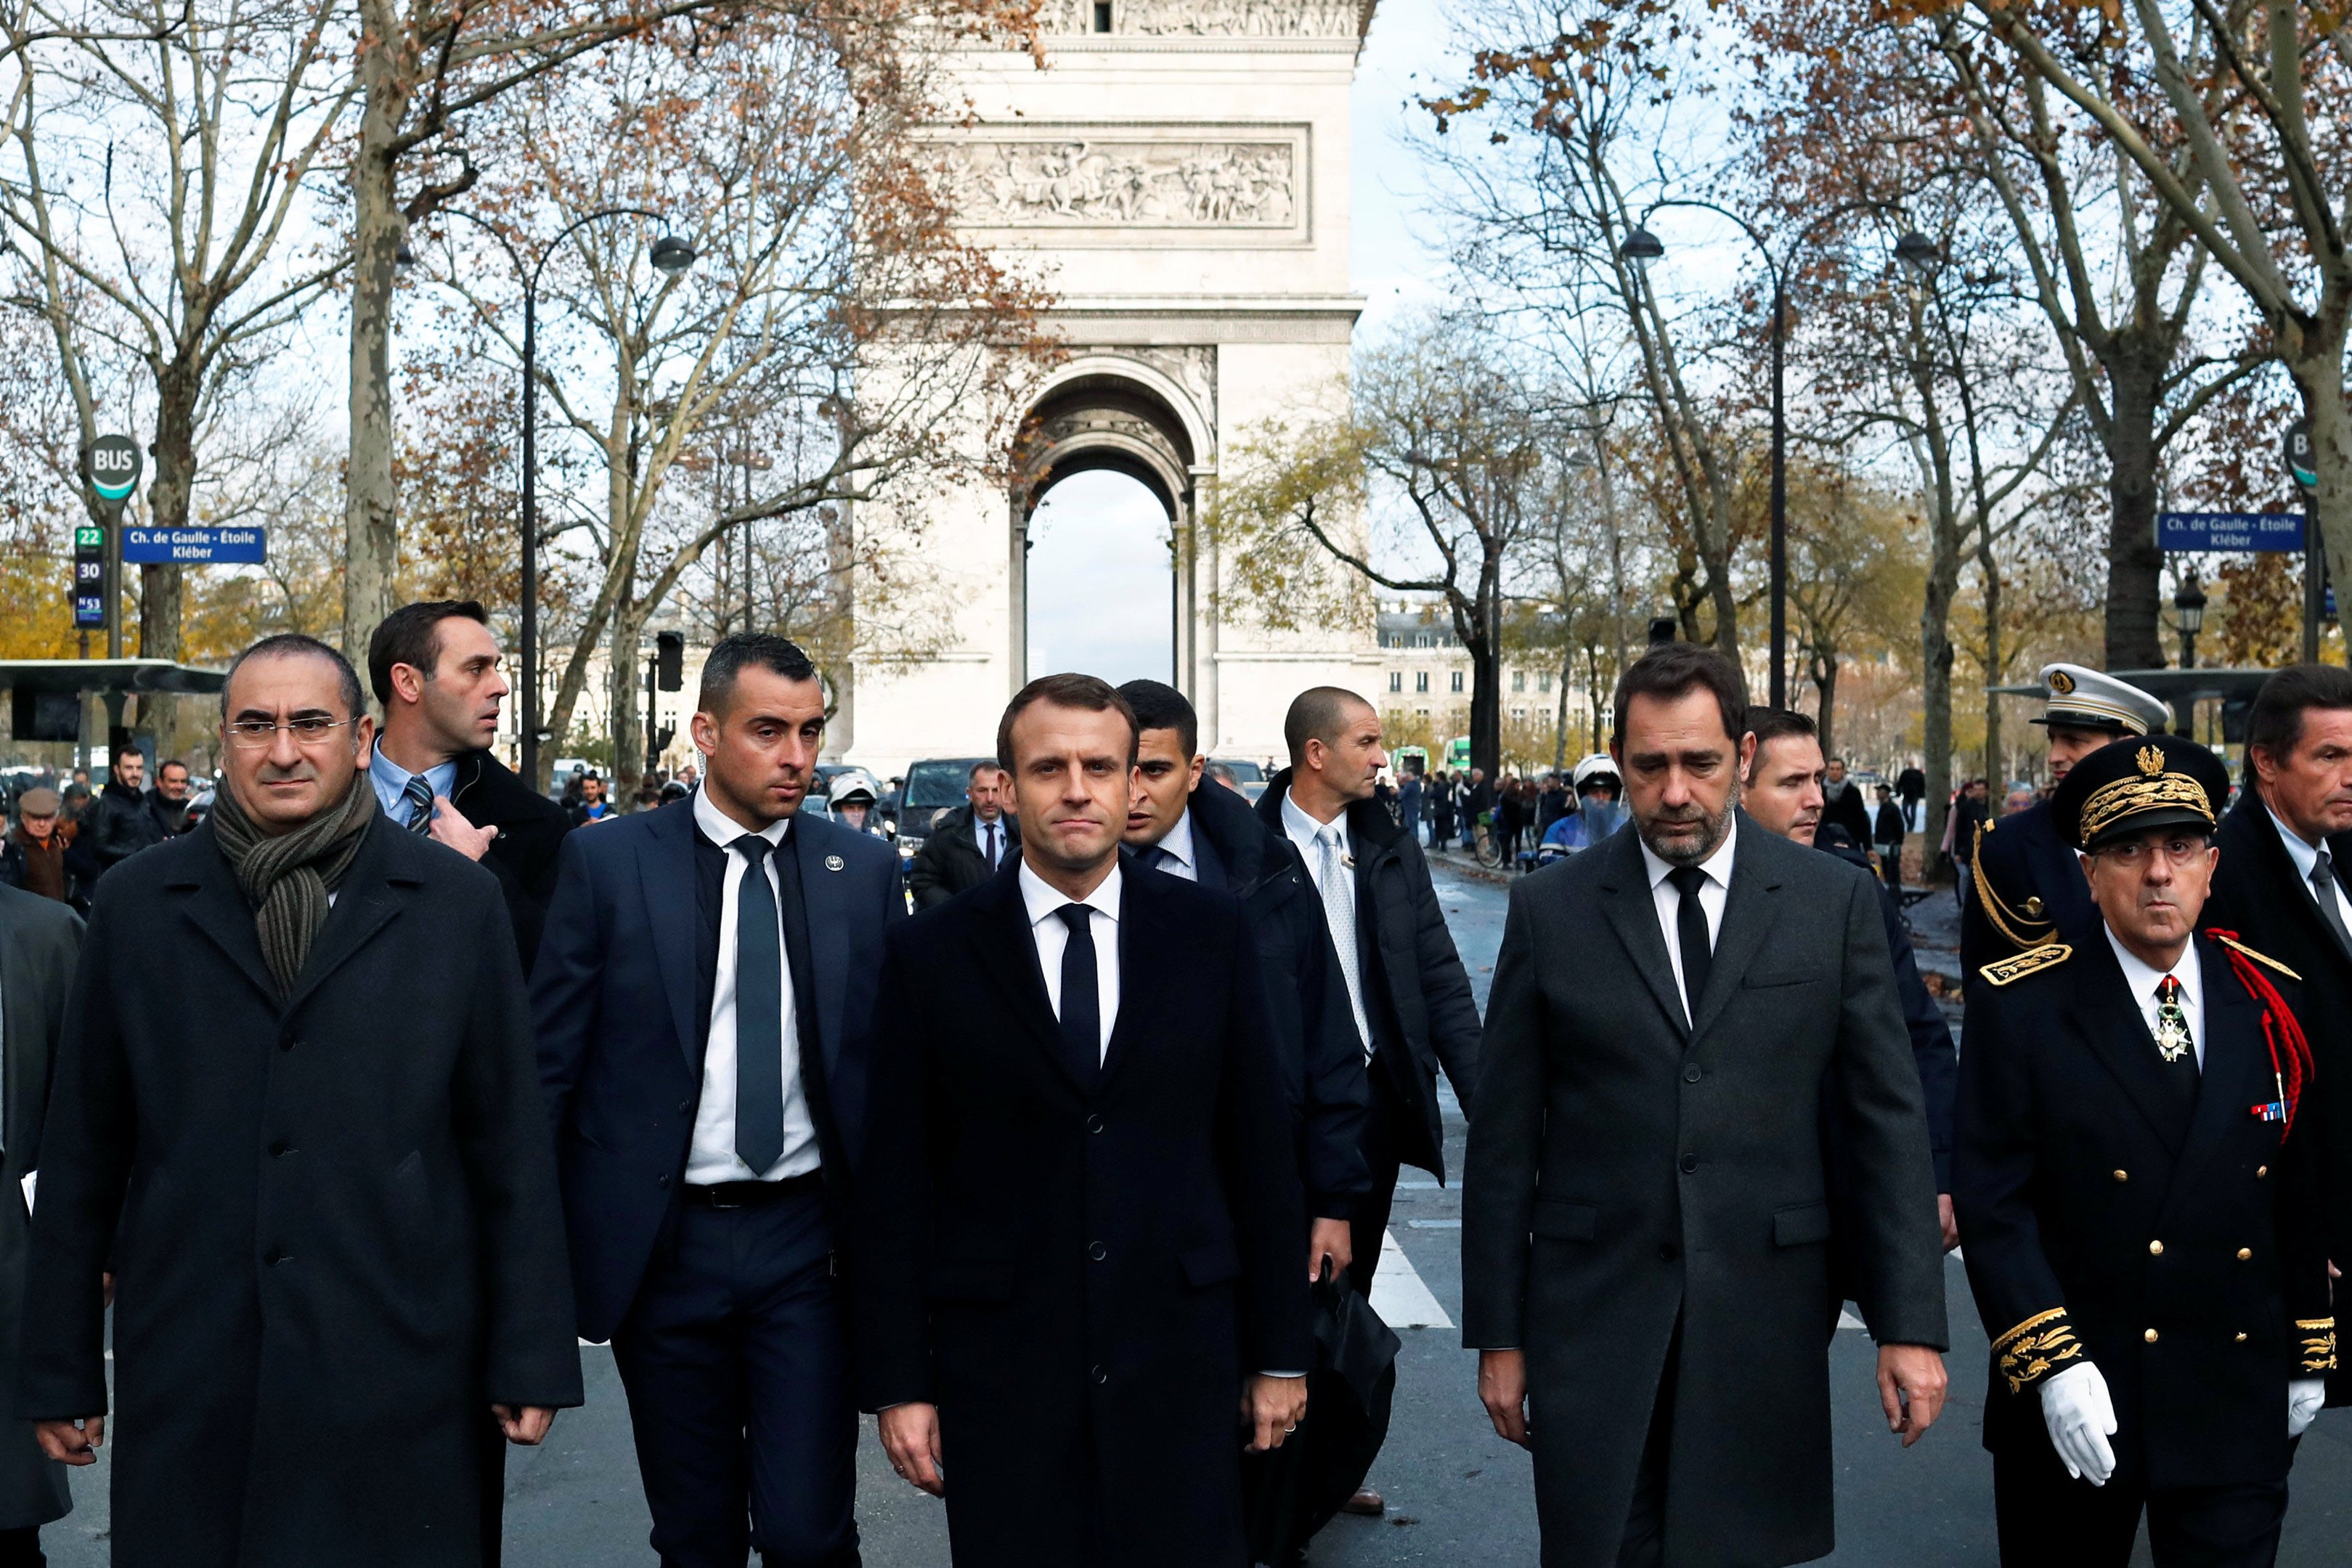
[1696,836]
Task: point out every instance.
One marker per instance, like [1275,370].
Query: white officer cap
[2085,700]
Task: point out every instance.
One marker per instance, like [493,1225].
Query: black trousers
[22,1549]
[736,1365]
[2048,1518]
[1643,1544]
[1890,866]
[1380,1143]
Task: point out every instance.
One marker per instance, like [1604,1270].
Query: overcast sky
[1098,572]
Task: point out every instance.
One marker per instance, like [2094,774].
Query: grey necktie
[2322,886]
[418,793]
[758,1013]
[1339,915]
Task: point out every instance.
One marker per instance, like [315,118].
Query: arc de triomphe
[1180,175]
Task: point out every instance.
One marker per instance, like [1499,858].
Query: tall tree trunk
[2318,375]
[371,505]
[1996,776]
[1825,679]
[628,721]
[2134,564]
[178,387]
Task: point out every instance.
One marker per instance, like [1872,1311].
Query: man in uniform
[2140,1200]
[2027,890]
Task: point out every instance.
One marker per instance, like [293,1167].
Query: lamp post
[1642,247]
[670,256]
[2189,605]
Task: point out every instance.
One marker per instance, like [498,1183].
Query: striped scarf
[286,878]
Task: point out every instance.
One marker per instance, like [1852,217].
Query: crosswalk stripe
[1400,1297]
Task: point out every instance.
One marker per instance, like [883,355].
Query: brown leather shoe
[1366,1502]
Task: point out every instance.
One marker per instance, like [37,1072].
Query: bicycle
[1485,847]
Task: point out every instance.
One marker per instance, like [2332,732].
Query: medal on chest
[2171,1032]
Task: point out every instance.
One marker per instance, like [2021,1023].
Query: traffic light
[669,656]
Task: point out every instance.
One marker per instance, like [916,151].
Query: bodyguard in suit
[2136,1181]
[1780,792]
[39,940]
[703,994]
[969,845]
[1212,838]
[1080,1221]
[1645,1211]
[434,667]
[2026,890]
[295,1111]
[1405,983]
[2280,887]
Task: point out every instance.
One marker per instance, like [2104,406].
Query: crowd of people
[364,1099]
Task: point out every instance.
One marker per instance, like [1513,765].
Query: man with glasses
[2137,1172]
[297,1113]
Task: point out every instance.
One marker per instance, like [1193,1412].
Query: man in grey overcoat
[297,1107]
[1646,1212]
[39,940]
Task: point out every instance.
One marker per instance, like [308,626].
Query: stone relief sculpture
[1211,18]
[1141,184]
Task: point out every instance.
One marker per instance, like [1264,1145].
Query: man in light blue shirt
[404,794]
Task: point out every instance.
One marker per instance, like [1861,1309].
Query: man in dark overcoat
[2281,887]
[1646,1212]
[39,941]
[297,1112]
[2137,1181]
[1078,1255]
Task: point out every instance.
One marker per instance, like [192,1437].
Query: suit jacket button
[1094,1124]
[279,1149]
[1667,1252]
[2123,1176]
[685,1107]
[2156,1248]
[1098,1373]
[1691,1074]
[1690,1165]
[2246,1254]
[2260,1171]
[2238,1339]
[285,1042]
[662,1180]
[2149,1336]
[1097,1251]
[273,1257]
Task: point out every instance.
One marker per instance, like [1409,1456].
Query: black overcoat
[523,856]
[339,1238]
[1627,1171]
[1079,1278]
[2169,1238]
[39,939]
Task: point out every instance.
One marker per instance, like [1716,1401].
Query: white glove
[2081,1418]
[2304,1396]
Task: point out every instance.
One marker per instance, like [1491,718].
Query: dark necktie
[1690,936]
[758,1013]
[1153,858]
[2173,1042]
[418,793]
[2323,887]
[992,828]
[1081,995]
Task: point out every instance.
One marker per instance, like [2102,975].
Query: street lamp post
[671,255]
[1642,247]
[2189,605]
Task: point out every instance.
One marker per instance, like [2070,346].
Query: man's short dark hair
[1318,713]
[1088,694]
[1672,671]
[1159,705]
[733,655]
[298,645]
[411,635]
[1769,724]
[171,762]
[2275,722]
[132,750]
[985,765]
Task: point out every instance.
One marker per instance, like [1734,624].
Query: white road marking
[1398,1293]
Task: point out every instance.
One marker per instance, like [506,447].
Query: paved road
[1457,1493]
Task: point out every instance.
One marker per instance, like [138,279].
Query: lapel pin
[834,862]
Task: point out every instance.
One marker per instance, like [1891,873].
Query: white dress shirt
[1338,901]
[711,1157]
[1053,937]
[1178,848]
[1713,894]
[2143,981]
[2305,856]
[980,838]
